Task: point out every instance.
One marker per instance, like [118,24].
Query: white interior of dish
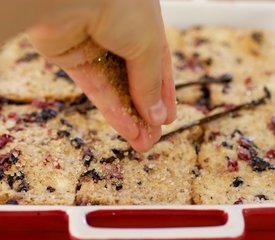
[245,14]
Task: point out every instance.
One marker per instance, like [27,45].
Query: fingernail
[158,113]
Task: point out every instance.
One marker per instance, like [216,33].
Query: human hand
[132,30]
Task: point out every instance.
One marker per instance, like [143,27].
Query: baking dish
[157,222]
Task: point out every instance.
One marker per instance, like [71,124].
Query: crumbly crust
[51,153]
[26,75]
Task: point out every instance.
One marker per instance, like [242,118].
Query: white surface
[180,14]
[246,14]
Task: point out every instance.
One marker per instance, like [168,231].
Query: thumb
[145,83]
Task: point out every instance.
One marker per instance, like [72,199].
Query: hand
[133,30]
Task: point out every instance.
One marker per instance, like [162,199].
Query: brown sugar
[115,69]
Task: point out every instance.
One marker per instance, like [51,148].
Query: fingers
[146,139]
[145,83]
[97,87]
[131,29]
[54,38]
[168,86]
[152,87]
[142,48]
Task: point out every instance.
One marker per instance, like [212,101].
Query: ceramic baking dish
[157,222]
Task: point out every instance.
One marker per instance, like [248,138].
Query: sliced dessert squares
[161,176]
[26,75]
[119,175]
[39,162]
[237,159]
[247,55]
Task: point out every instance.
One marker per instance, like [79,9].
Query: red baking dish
[250,222]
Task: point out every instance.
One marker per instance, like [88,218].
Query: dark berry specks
[20,175]
[180,55]
[23,186]
[28,57]
[205,98]
[63,133]
[226,78]
[248,151]
[133,155]
[95,175]
[77,142]
[10,181]
[118,186]
[18,178]
[82,105]
[153,156]
[50,189]
[66,123]
[261,197]
[88,157]
[87,160]
[1,174]
[12,202]
[62,74]
[196,172]
[209,61]
[118,153]
[147,169]
[48,113]
[7,159]
[237,182]
[259,164]
[108,159]
[258,37]
[226,145]
[40,117]
[118,137]
[236,132]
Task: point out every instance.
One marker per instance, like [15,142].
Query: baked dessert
[38,162]
[25,75]
[119,175]
[243,57]
[238,154]
[161,176]
[38,77]
[53,151]
[244,54]
[53,154]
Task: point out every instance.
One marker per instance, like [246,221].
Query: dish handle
[156,223]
